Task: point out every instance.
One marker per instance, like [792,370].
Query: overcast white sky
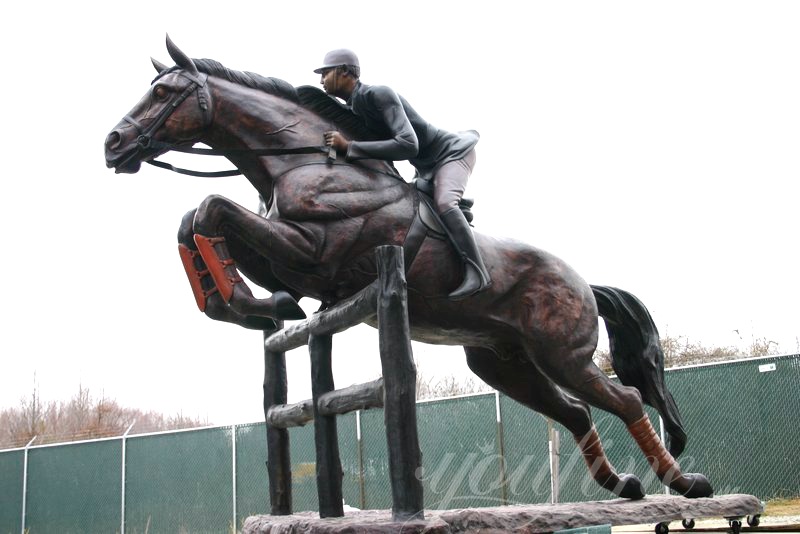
[653,146]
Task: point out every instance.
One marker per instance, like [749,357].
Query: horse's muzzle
[120,155]
[125,163]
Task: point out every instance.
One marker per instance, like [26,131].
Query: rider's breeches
[450,182]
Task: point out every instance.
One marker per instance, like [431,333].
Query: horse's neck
[246,118]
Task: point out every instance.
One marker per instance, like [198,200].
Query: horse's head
[176,110]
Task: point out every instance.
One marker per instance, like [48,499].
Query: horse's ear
[181,59]
[160,67]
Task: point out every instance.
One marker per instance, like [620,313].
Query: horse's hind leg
[523,382]
[574,370]
[206,293]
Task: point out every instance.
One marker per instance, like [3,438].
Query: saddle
[427,223]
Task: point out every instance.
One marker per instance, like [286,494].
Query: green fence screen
[252,494]
[460,452]
[377,489]
[525,439]
[742,418]
[180,482]
[74,488]
[743,421]
[11,482]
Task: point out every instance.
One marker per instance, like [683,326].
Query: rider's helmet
[338,57]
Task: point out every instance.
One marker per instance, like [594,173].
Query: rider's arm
[386,106]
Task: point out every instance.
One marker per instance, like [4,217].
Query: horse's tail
[637,358]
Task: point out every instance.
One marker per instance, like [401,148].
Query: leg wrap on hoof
[223,271]
[190,259]
[625,486]
[664,465]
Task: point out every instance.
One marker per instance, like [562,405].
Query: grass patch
[784,506]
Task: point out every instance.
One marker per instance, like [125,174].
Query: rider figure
[446,159]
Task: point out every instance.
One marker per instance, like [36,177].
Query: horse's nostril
[113,140]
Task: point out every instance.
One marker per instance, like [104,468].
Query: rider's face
[330,80]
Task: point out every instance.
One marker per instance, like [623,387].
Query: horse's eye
[160,92]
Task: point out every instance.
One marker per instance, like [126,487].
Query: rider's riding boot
[476,277]
[222,269]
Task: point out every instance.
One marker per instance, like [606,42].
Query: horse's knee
[186,230]
[210,214]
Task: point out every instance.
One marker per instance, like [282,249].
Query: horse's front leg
[207,294]
[227,234]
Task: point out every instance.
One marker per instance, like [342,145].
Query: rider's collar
[356,89]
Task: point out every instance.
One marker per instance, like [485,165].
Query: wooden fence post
[400,381]
[279,466]
[326,439]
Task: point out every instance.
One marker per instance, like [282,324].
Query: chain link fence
[12,482]
[180,482]
[743,421]
[74,488]
[742,417]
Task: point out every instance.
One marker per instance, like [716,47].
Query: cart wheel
[754,520]
[662,528]
[736,526]
[688,524]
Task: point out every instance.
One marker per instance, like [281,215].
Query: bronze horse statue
[531,335]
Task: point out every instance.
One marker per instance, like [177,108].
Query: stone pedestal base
[522,519]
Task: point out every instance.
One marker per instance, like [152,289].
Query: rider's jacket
[403,133]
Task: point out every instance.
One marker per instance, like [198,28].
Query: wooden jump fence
[396,391]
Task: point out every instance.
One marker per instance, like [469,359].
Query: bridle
[146,141]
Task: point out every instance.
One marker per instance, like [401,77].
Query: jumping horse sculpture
[531,335]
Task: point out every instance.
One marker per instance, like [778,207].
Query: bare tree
[81,417]
[432,387]
[678,350]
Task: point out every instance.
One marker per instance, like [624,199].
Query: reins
[329,151]
[145,142]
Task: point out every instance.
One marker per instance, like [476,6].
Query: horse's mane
[309,97]
[273,86]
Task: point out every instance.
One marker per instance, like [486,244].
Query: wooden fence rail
[337,402]
[385,298]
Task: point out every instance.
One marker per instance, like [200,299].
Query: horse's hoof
[694,486]
[630,487]
[286,307]
[253,322]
